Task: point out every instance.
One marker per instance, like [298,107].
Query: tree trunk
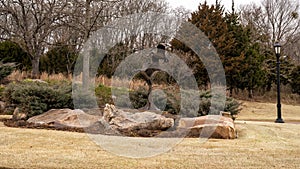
[269,87]
[230,91]
[86,58]
[35,67]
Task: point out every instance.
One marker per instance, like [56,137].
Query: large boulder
[211,126]
[136,123]
[64,117]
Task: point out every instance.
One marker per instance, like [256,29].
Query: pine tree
[245,62]
[210,20]
[295,80]
[241,57]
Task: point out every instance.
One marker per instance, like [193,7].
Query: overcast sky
[193,4]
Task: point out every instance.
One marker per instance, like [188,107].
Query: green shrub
[231,105]
[83,99]
[139,99]
[6,69]
[103,94]
[34,98]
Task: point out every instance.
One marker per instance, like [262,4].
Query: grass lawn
[268,112]
[260,145]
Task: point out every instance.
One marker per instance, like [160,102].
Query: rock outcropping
[136,123]
[64,117]
[211,126]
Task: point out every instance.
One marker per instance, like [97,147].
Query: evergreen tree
[11,52]
[286,67]
[295,80]
[60,59]
[210,20]
[247,72]
[241,58]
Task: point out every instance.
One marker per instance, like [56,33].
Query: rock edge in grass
[113,121]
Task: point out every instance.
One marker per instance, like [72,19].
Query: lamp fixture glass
[277,48]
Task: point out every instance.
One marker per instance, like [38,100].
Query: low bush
[34,98]
[172,103]
[103,94]
[137,99]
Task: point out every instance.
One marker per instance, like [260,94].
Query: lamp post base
[279,121]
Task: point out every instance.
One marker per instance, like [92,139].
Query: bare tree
[36,25]
[292,49]
[30,23]
[99,13]
[275,20]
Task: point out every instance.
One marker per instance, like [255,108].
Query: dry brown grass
[268,112]
[260,145]
[287,97]
[19,76]
[134,84]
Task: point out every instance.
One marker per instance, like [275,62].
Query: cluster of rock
[113,121]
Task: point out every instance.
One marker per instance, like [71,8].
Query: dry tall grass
[19,76]
[134,84]
[287,96]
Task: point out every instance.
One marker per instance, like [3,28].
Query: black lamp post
[277,48]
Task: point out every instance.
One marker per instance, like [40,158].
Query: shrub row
[170,101]
[34,98]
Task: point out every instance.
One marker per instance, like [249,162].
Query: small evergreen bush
[103,94]
[139,99]
[34,98]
